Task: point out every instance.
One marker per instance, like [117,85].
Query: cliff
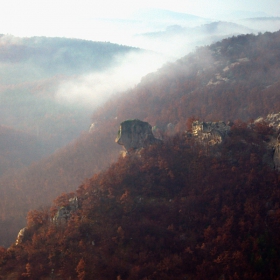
[135,134]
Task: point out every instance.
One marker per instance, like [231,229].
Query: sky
[82,19]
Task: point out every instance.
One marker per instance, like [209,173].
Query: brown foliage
[148,216]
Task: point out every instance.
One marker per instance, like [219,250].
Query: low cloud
[94,89]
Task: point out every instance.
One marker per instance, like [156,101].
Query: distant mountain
[174,39]
[214,28]
[166,16]
[263,18]
[54,56]
[223,28]
[262,24]
[235,15]
[236,78]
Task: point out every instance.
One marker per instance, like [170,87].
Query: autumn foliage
[174,211]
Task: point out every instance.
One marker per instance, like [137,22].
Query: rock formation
[21,235]
[276,155]
[272,155]
[92,128]
[64,213]
[273,120]
[210,132]
[135,134]
[272,158]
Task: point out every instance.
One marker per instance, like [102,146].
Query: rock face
[92,128]
[21,235]
[276,155]
[273,120]
[273,146]
[135,134]
[64,213]
[210,132]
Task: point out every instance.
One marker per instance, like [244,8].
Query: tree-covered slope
[177,210]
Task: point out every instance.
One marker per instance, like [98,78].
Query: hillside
[207,31]
[237,78]
[53,56]
[17,149]
[150,214]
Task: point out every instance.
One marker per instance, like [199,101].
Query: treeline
[179,210]
[61,56]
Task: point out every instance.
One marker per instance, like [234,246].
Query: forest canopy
[150,214]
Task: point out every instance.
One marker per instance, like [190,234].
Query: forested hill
[237,78]
[53,56]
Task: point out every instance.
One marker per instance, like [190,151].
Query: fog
[166,40]
[91,90]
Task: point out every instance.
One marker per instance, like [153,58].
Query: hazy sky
[74,18]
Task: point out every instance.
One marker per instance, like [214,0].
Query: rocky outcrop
[92,128]
[211,133]
[276,155]
[273,120]
[21,236]
[268,157]
[272,157]
[135,134]
[64,213]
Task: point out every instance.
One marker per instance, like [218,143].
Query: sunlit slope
[149,214]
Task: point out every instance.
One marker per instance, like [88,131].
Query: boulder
[135,134]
